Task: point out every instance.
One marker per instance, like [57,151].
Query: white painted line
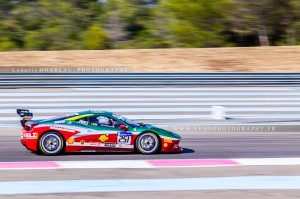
[191,124]
[136,104]
[133,117]
[163,163]
[160,110]
[172,184]
[137,99]
[268,161]
[186,89]
[104,164]
[174,117]
[149,94]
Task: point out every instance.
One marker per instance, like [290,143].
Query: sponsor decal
[103,138]
[110,144]
[134,129]
[94,124]
[95,144]
[83,122]
[31,136]
[70,141]
[165,144]
[168,140]
[61,127]
[82,142]
[126,146]
[88,151]
[124,138]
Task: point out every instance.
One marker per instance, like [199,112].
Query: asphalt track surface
[157,102]
[250,145]
[281,104]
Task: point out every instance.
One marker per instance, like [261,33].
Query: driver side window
[99,121]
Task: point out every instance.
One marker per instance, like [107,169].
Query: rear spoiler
[25,114]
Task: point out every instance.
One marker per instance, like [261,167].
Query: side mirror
[123,128]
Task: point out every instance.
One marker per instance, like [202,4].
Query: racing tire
[147,143]
[51,143]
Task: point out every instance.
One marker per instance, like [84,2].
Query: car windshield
[126,120]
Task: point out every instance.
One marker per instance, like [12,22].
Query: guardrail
[33,80]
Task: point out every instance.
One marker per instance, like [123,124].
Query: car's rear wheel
[147,143]
[51,143]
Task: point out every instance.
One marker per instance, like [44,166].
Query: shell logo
[167,140]
[70,141]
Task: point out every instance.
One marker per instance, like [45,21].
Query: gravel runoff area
[260,59]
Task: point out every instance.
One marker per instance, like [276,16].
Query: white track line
[162,163]
[150,185]
[175,117]
[136,104]
[137,99]
[160,110]
[149,94]
[186,89]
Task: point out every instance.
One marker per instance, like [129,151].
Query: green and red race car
[94,131]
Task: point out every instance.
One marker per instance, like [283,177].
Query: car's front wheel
[51,143]
[147,143]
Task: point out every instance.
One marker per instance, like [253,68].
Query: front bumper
[171,146]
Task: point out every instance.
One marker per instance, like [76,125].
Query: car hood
[161,131]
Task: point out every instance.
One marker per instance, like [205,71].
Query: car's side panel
[93,138]
[100,142]
[30,137]
[86,137]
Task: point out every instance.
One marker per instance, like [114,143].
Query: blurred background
[230,62]
[114,24]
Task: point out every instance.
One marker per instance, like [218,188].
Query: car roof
[95,112]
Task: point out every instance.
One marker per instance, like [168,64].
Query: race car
[94,131]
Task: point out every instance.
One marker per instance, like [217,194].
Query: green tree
[192,23]
[95,38]
[272,22]
[127,22]
[35,40]
[6,44]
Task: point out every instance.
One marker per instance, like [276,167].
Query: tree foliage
[94,24]
[95,38]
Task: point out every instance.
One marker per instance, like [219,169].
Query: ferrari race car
[93,131]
